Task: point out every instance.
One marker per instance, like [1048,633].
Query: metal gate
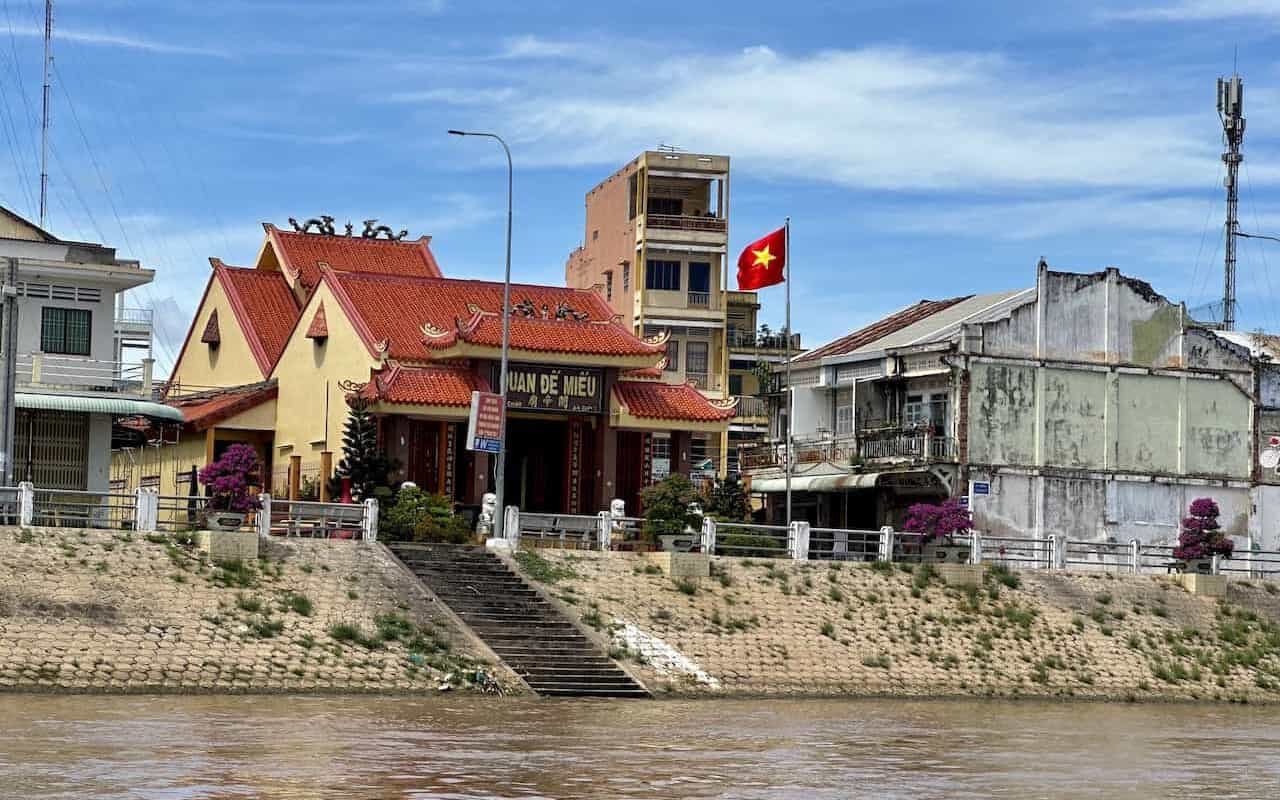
[52,448]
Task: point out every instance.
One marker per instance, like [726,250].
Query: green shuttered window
[65,331]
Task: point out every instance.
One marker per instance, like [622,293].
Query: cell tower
[1231,112]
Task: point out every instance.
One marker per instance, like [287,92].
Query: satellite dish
[1270,459]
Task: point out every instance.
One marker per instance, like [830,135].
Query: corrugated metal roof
[945,323]
[117,406]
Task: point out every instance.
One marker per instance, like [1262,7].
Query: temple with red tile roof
[330,318]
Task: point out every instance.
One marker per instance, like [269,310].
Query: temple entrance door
[536,469]
[422,453]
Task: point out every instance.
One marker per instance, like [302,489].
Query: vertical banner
[450,464]
[575,466]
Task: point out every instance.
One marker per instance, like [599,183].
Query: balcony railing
[894,445]
[43,372]
[754,341]
[680,222]
[704,381]
[135,317]
[751,407]
[699,299]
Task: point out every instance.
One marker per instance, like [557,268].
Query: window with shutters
[662,275]
[65,331]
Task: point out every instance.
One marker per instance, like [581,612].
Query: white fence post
[26,503]
[369,523]
[886,543]
[798,540]
[145,510]
[709,536]
[1051,552]
[1134,556]
[604,530]
[264,516]
[511,526]
[1214,564]
[975,547]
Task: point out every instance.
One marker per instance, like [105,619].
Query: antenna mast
[1231,112]
[44,111]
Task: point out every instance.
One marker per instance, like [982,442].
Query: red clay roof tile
[319,328]
[650,400]
[211,333]
[397,309]
[305,252]
[424,386]
[206,409]
[265,307]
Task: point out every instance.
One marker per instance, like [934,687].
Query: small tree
[363,462]
[728,500]
[666,506]
[229,477]
[1201,535]
[938,521]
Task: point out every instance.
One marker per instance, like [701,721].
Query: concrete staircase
[529,634]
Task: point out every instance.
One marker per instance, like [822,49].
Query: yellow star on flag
[763,257]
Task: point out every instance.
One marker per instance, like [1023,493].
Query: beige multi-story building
[655,247]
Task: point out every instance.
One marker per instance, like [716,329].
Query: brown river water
[173,748]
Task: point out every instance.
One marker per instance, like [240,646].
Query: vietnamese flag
[763,263]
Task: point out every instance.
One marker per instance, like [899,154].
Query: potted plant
[938,525]
[669,513]
[227,481]
[1201,539]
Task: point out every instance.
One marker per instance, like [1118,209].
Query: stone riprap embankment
[774,627]
[99,611]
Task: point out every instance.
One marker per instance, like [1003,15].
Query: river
[173,748]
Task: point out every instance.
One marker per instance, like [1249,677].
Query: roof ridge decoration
[727,404]
[323,226]
[658,339]
[562,312]
[381,349]
[430,331]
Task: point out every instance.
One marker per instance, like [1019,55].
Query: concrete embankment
[772,627]
[98,611]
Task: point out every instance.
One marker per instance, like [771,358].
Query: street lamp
[500,469]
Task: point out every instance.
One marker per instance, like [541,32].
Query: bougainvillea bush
[1202,536]
[938,521]
[228,480]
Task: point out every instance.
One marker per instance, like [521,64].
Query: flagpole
[786,254]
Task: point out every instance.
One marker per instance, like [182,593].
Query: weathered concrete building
[1088,406]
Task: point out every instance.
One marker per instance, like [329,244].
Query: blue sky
[922,149]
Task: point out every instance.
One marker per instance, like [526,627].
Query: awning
[116,406]
[818,483]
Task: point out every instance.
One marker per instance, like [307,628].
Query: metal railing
[39,370]
[148,511]
[283,517]
[681,222]
[901,445]
[751,541]
[844,544]
[135,316]
[66,508]
[756,341]
[749,406]
[699,299]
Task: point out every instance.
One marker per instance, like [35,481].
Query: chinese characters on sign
[484,427]
[574,390]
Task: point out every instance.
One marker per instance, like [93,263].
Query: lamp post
[500,468]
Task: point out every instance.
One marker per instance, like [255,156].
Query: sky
[922,149]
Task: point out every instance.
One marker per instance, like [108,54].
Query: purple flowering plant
[938,521]
[228,480]
[1201,535]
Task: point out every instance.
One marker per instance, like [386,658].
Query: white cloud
[1192,10]
[882,118]
[128,42]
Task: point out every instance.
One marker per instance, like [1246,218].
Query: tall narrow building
[655,247]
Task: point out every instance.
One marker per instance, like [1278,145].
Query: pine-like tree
[362,460]
[728,500]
